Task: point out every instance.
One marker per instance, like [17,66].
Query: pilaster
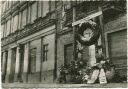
[26,61]
[4,66]
[8,71]
[17,67]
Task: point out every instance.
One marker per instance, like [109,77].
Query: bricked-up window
[32,62]
[45,52]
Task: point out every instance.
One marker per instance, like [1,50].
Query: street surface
[36,86]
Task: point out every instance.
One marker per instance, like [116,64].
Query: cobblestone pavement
[36,86]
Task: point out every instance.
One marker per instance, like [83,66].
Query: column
[17,66]
[4,66]
[8,71]
[26,60]
[102,39]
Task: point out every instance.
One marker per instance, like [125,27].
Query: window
[3,7]
[67,4]
[45,8]
[45,52]
[8,27]
[9,4]
[15,23]
[2,26]
[11,25]
[33,11]
[5,30]
[39,8]
[19,20]
[14,2]
[32,65]
[52,5]
[23,17]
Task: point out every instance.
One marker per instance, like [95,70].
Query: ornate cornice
[29,29]
[22,6]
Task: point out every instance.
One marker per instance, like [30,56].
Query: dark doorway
[118,50]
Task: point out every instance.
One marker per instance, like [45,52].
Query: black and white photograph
[63,44]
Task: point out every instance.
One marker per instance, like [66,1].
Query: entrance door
[68,54]
[118,50]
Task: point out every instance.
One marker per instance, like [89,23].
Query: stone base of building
[9,78]
[24,77]
[16,78]
[34,77]
[47,76]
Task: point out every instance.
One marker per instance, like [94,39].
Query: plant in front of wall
[62,74]
[75,72]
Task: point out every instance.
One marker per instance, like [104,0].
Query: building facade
[28,38]
[39,36]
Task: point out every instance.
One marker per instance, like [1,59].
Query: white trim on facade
[87,18]
[37,35]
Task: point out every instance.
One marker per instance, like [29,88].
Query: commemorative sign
[89,31]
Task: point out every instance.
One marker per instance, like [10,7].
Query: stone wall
[48,66]
[61,41]
[116,24]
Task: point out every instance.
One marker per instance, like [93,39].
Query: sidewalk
[24,85]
